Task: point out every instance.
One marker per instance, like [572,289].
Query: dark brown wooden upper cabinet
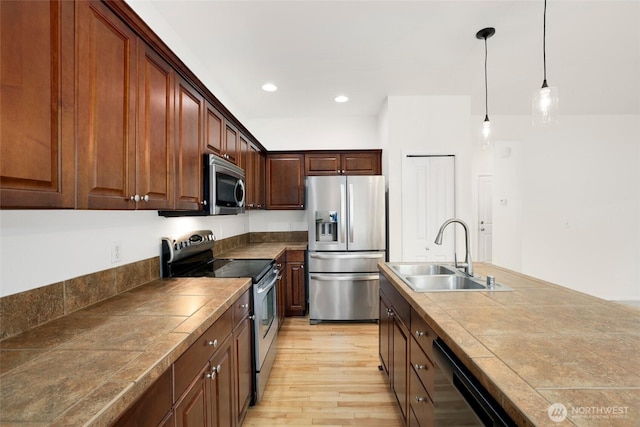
[189,113]
[285,181]
[255,172]
[232,144]
[106,119]
[37,139]
[214,134]
[154,141]
[343,163]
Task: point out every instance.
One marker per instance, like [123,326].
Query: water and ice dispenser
[326,226]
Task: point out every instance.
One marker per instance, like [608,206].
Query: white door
[485,217]
[428,200]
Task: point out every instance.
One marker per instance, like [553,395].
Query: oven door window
[229,190]
[268,312]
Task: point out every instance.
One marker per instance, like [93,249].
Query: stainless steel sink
[421,269]
[443,283]
[430,277]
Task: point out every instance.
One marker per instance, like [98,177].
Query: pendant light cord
[486,86]
[544,44]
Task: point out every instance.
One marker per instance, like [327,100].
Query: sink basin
[422,269]
[442,283]
[431,277]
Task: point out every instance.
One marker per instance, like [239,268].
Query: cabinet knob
[252,317]
[211,375]
[420,333]
[145,198]
[244,305]
[135,198]
[420,399]
[420,367]
[213,343]
[218,368]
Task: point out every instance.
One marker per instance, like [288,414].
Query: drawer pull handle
[420,333]
[420,367]
[214,343]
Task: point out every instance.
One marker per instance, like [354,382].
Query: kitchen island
[540,344]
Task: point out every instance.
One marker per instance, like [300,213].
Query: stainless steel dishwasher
[459,398]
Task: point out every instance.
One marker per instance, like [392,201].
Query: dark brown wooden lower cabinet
[221,386]
[152,407]
[193,409]
[296,301]
[243,368]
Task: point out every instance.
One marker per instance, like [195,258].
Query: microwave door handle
[343,217]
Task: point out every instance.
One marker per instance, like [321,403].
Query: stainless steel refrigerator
[347,239]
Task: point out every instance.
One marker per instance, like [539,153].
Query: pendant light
[485,132]
[545,100]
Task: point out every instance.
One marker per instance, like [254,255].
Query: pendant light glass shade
[486,142]
[545,100]
[484,136]
[545,106]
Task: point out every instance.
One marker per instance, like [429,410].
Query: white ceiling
[368,50]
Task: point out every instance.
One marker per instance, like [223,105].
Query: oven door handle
[268,286]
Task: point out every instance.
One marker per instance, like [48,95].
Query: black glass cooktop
[203,265]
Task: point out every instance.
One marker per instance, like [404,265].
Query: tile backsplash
[26,310]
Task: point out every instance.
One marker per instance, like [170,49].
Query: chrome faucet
[468,264]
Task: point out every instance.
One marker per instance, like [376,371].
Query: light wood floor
[327,375]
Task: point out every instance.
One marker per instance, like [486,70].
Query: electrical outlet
[116,252]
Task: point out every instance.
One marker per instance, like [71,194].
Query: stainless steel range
[191,255]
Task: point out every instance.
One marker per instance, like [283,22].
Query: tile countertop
[541,344]
[87,367]
[263,250]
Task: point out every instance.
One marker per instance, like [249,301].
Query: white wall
[427,125]
[41,247]
[316,133]
[573,202]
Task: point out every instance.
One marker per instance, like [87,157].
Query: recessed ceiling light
[269,87]
[341,98]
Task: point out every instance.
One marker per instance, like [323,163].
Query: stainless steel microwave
[224,189]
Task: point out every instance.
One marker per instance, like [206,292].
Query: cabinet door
[400,363]
[362,163]
[285,181]
[258,176]
[194,410]
[37,145]
[244,161]
[152,407]
[321,164]
[384,335]
[232,146]
[189,127]
[106,82]
[214,131]
[154,143]
[243,368]
[221,390]
[296,301]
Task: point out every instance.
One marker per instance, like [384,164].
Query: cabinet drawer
[295,256]
[423,333]
[241,308]
[400,306]
[419,402]
[191,362]
[422,365]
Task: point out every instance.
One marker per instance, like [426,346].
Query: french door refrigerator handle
[349,277]
[343,222]
[345,256]
[351,224]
